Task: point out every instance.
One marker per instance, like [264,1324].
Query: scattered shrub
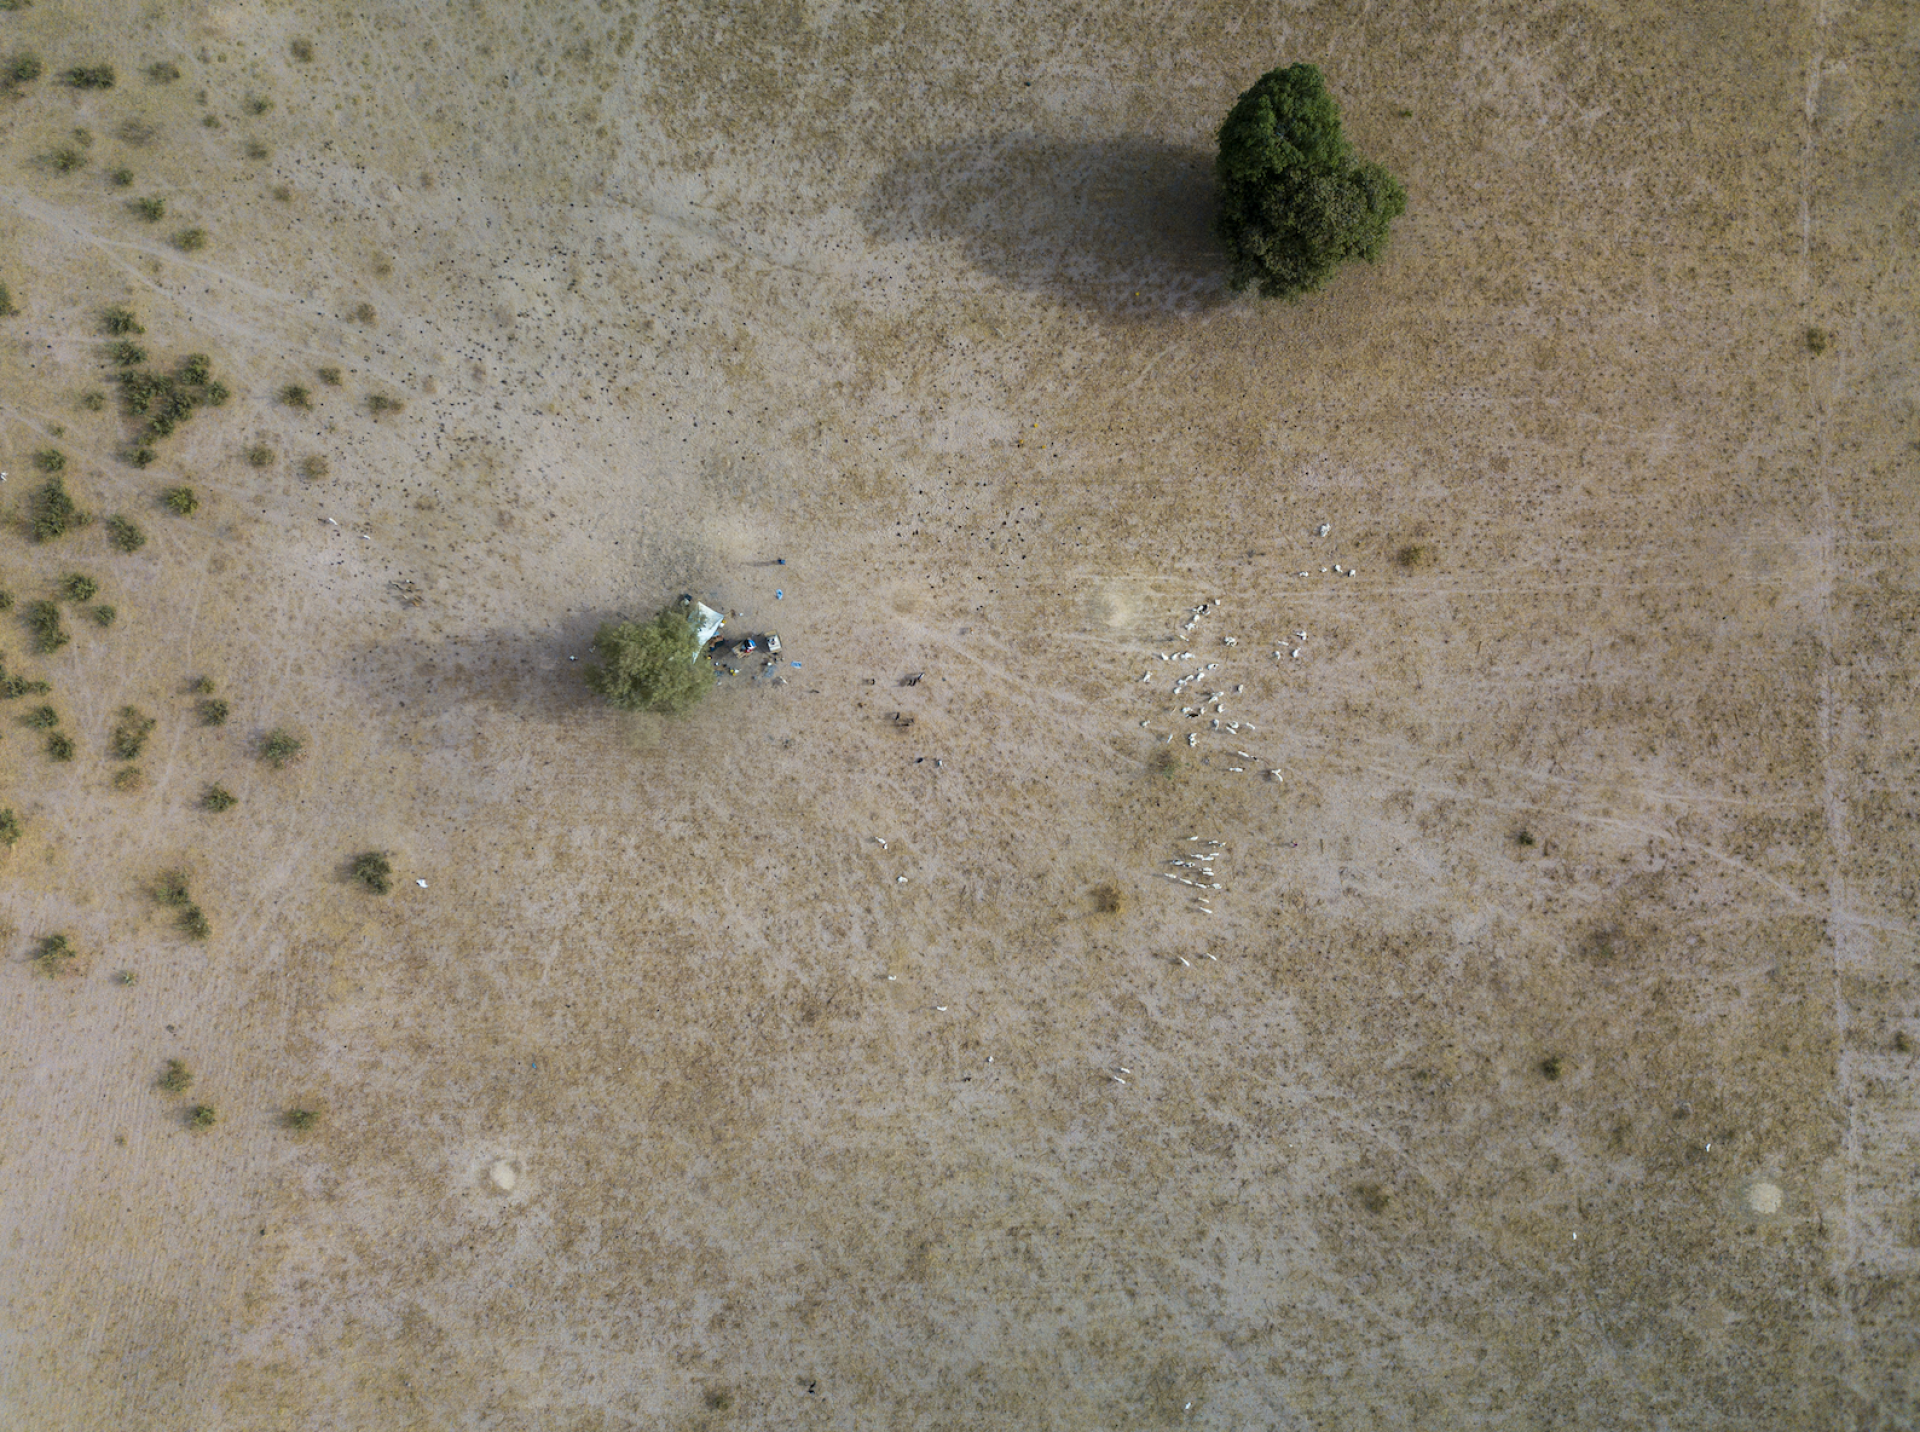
[14,687]
[43,621]
[300,1120]
[176,1078]
[180,501]
[104,614]
[7,309]
[50,460]
[218,798]
[23,68]
[52,511]
[295,396]
[128,778]
[41,718]
[1523,838]
[373,870]
[54,954]
[6,601]
[120,177]
[193,921]
[1817,340]
[200,686]
[161,72]
[213,712]
[256,150]
[189,240]
[278,747]
[171,890]
[10,828]
[67,158]
[1414,556]
[116,320]
[379,404]
[126,354]
[131,727]
[330,376]
[1552,1066]
[313,467]
[93,400]
[78,587]
[258,104]
[89,77]
[152,208]
[302,50]
[125,533]
[202,1116]
[363,312]
[126,977]
[260,455]
[60,746]
[1109,898]
[651,666]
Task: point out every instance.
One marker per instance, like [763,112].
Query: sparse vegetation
[373,870]
[380,404]
[171,890]
[295,396]
[300,1120]
[78,587]
[50,460]
[65,158]
[278,747]
[14,687]
[54,955]
[162,72]
[6,601]
[363,312]
[650,666]
[176,1078]
[260,455]
[314,466]
[1414,556]
[200,686]
[1817,340]
[217,798]
[302,50]
[1523,838]
[125,533]
[7,308]
[52,512]
[10,828]
[213,712]
[1374,1198]
[117,321]
[202,1116]
[258,104]
[181,501]
[120,176]
[43,621]
[256,150]
[189,240]
[41,718]
[152,208]
[60,746]
[1295,202]
[128,778]
[131,727]
[89,77]
[194,923]
[126,977]
[1552,1067]
[125,353]
[330,376]
[167,400]
[93,400]
[22,68]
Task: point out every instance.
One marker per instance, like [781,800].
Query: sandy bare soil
[764,1068]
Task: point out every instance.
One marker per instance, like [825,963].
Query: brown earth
[675,1098]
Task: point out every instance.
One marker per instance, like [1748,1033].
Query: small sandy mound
[1765,1197]
[503,1176]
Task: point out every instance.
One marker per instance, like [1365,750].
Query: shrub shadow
[1121,225]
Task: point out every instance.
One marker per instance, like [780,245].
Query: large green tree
[650,666]
[1295,201]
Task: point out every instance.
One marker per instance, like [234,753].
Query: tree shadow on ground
[1120,225]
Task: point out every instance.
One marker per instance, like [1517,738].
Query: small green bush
[330,376]
[213,712]
[55,954]
[104,614]
[10,828]
[260,455]
[117,321]
[189,240]
[67,158]
[256,150]
[6,601]
[180,501]
[93,400]
[120,177]
[131,727]
[50,460]
[152,208]
[7,308]
[126,354]
[161,72]
[43,621]
[373,870]
[379,404]
[314,466]
[52,510]
[89,77]
[41,718]
[125,533]
[258,104]
[218,798]
[23,68]
[300,1120]
[295,396]
[200,686]
[128,778]
[14,687]
[176,1078]
[60,746]
[78,587]
[202,1116]
[193,921]
[278,747]
[126,977]
[651,666]
[171,890]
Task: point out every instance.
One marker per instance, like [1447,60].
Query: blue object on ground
[778,594]
[793,663]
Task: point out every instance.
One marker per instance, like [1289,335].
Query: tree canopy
[650,666]
[1295,201]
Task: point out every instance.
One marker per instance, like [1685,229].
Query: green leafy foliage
[78,587]
[41,718]
[213,712]
[202,1116]
[131,727]
[171,890]
[189,240]
[1295,202]
[166,400]
[125,533]
[650,666]
[10,828]
[22,68]
[217,798]
[7,307]
[181,501]
[126,354]
[104,615]
[54,955]
[52,512]
[278,747]
[117,320]
[43,623]
[60,746]
[373,870]
[295,396]
[300,1120]
[50,460]
[151,207]
[89,77]
[176,1078]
